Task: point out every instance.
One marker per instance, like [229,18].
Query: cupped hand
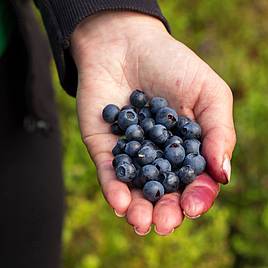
[118,52]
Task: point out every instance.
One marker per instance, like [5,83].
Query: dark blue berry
[147,124]
[144,113]
[191,130]
[134,132]
[191,146]
[121,158]
[138,99]
[119,147]
[116,130]
[159,153]
[146,155]
[131,107]
[162,165]
[149,173]
[170,182]
[196,161]
[175,154]
[186,174]
[153,191]
[132,148]
[182,121]
[166,117]
[157,103]
[158,134]
[125,172]
[110,113]
[173,139]
[127,118]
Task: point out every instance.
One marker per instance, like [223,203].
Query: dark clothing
[31,185]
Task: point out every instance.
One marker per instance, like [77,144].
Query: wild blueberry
[119,147]
[147,124]
[134,132]
[110,113]
[116,130]
[175,154]
[191,130]
[149,173]
[127,118]
[158,134]
[146,155]
[157,103]
[162,165]
[138,98]
[125,172]
[144,113]
[182,120]
[153,191]
[166,117]
[170,182]
[173,139]
[191,146]
[132,148]
[196,161]
[186,174]
[121,158]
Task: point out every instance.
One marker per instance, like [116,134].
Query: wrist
[111,28]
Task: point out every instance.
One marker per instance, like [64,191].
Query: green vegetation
[231,36]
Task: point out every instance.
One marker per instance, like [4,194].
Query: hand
[116,53]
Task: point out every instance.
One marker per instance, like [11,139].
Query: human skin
[117,52]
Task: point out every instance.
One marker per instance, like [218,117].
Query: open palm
[146,57]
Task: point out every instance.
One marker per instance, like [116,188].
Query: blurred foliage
[231,36]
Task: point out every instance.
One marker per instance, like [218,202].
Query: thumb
[214,112]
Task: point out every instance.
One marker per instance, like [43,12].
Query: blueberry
[162,165]
[121,158]
[191,146]
[157,103]
[182,121]
[138,99]
[158,134]
[147,124]
[125,172]
[135,132]
[173,139]
[149,143]
[153,191]
[196,161]
[127,118]
[144,113]
[175,154]
[119,147]
[166,117]
[146,155]
[110,113]
[116,130]
[170,182]
[132,148]
[186,174]
[149,173]
[191,130]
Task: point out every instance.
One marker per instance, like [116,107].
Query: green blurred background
[231,35]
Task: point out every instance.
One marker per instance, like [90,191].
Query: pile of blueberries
[159,151]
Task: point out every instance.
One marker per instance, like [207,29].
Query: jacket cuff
[62,16]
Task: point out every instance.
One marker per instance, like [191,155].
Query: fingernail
[226,166]
[162,234]
[136,230]
[191,217]
[119,214]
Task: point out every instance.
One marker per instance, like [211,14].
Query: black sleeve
[61,17]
